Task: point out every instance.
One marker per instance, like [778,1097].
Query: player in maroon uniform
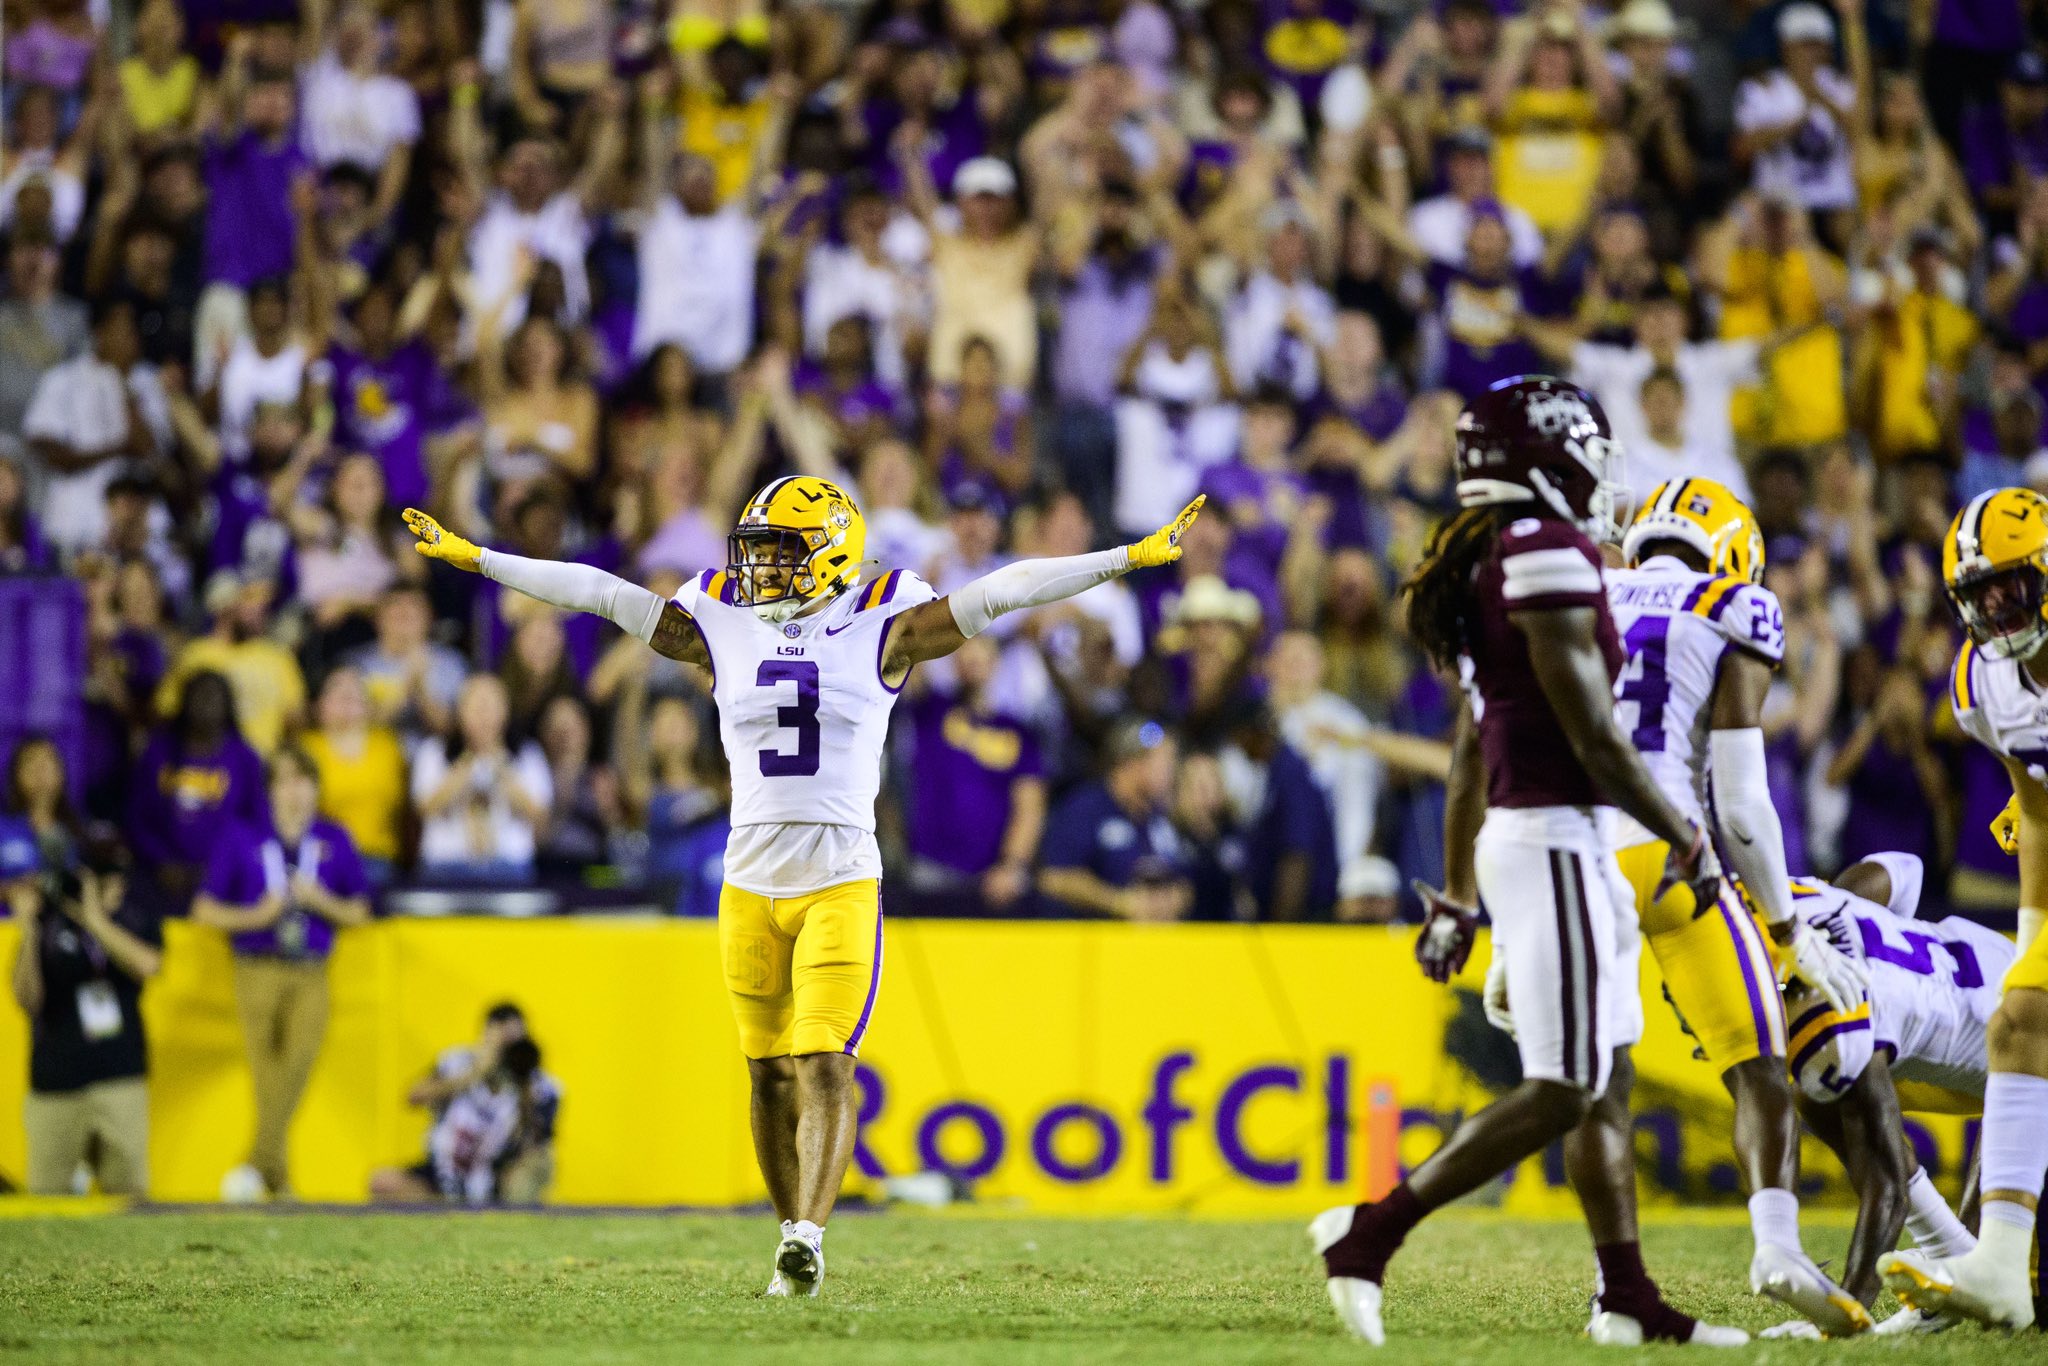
[1510,593]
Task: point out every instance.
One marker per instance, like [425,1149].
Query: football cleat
[1793,1330]
[1610,1329]
[1357,1301]
[1790,1277]
[1915,1321]
[800,1261]
[1971,1286]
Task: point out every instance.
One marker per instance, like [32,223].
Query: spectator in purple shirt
[1110,848]
[251,164]
[975,806]
[2005,141]
[196,783]
[381,388]
[281,890]
[1972,40]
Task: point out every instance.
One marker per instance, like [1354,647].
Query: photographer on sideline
[86,949]
[494,1123]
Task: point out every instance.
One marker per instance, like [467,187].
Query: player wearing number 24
[807,652]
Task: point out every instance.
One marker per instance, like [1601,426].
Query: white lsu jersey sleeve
[2000,709]
[1676,624]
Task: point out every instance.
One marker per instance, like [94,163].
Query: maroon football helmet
[1543,440]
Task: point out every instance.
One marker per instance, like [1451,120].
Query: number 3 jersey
[1676,624]
[802,712]
[1933,988]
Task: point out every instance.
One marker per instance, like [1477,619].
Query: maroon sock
[1376,1231]
[1626,1288]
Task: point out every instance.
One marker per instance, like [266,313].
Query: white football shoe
[800,1261]
[1971,1286]
[1790,1277]
[1356,1301]
[1793,1330]
[1915,1321]
[244,1186]
[1609,1329]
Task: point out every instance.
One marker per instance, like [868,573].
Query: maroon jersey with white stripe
[1537,564]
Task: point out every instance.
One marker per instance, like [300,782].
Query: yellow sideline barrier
[1067,1067]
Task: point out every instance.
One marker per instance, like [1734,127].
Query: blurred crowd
[576,275]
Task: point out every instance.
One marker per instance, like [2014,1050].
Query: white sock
[808,1231]
[787,1225]
[1774,1218]
[2015,1143]
[1934,1226]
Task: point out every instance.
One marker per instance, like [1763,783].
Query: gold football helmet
[1994,563]
[799,540]
[1705,516]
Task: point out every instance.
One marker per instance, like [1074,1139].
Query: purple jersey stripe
[1757,1014]
[874,983]
[1714,612]
[1699,591]
[706,580]
[1813,1044]
[889,587]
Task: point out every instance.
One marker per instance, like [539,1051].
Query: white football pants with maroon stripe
[1566,920]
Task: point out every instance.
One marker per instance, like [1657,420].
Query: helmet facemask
[1608,505]
[2001,608]
[771,570]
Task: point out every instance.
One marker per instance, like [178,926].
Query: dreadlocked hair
[1439,592]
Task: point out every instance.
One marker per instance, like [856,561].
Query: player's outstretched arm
[576,587]
[934,630]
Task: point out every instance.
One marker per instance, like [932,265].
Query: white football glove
[1495,998]
[1842,979]
[1799,1330]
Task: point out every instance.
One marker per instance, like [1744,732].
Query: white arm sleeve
[1032,583]
[578,587]
[1907,874]
[1752,840]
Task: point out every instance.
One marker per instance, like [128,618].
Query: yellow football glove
[2005,827]
[437,543]
[1163,545]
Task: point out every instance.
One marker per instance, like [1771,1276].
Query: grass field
[510,1288]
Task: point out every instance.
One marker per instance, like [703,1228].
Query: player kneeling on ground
[1916,1041]
[807,655]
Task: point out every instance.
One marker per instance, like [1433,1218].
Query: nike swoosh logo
[835,630]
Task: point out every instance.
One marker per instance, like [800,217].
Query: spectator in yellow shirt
[160,83]
[1774,279]
[362,771]
[1551,97]
[725,116]
[1910,357]
[270,692]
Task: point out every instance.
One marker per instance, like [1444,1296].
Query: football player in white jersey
[1995,567]
[1918,1042]
[1702,638]
[807,654]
